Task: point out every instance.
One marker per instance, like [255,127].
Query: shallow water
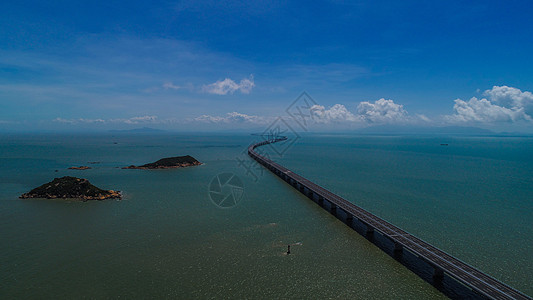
[166,238]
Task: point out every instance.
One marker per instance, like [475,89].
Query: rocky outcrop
[71,187]
[79,168]
[169,163]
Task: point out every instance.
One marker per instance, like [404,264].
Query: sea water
[167,238]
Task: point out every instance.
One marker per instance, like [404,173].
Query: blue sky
[189,65]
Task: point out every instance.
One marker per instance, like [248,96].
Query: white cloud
[382,111]
[143,119]
[134,120]
[482,110]
[378,112]
[423,118]
[170,85]
[228,86]
[511,97]
[232,118]
[79,121]
[504,104]
[337,113]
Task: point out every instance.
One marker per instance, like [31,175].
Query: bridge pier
[310,194]
[398,248]
[321,201]
[301,188]
[438,275]
[398,251]
[349,219]
[333,209]
[369,232]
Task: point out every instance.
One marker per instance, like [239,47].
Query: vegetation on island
[80,168]
[169,163]
[71,187]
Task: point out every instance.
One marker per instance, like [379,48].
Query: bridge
[442,263]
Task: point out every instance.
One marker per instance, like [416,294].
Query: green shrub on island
[71,187]
[169,163]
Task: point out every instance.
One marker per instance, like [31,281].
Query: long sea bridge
[441,263]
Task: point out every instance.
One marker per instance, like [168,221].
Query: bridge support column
[369,232]
[349,219]
[301,188]
[310,194]
[321,201]
[398,247]
[438,275]
[333,209]
[398,251]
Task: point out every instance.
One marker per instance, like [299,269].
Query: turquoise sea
[166,239]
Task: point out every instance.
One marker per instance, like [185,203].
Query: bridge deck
[464,273]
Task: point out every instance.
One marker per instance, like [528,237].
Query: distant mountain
[138,130]
[456,130]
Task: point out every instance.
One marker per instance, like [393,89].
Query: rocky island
[169,163]
[71,187]
[79,168]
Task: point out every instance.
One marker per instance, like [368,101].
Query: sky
[222,65]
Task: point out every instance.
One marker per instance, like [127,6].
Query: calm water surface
[165,239]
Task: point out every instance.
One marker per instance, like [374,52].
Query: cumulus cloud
[378,112]
[228,86]
[482,110]
[337,113]
[512,98]
[382,111]
[504,104]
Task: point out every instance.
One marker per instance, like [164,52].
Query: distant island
[169,163]
[79,168]
[71,187]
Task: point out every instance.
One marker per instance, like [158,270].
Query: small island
[169,163]
[79,168]
[71,187]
